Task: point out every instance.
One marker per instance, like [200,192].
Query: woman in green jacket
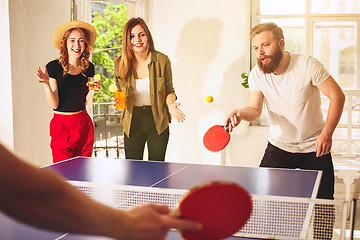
[146,76]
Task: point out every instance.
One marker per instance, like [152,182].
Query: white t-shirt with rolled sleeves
[293,103]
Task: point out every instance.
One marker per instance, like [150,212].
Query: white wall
[32,24]
[6,117]
[208,44]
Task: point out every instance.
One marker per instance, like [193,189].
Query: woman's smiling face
[138,38]
[76,43]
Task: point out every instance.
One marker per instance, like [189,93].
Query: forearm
[170,99]
[45,200]
[249,114]
[65,209]
[254,107]
[334,114]
[89,98]
[42,198]
[51,96]
[72,211]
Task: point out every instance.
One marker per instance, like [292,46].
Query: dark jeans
[276,158]
[324,214]
[143,130]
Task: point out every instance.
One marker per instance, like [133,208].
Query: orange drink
[120,100]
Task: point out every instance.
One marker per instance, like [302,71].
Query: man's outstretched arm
[44,199]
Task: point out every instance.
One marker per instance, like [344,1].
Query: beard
[273,63]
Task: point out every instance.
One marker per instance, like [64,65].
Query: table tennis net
[272,217]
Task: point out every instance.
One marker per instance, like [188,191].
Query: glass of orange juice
[120,97]
[120,100]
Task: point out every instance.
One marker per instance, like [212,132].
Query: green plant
[245,83]
[109,23]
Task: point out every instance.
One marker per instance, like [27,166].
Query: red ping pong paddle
[223,208]
[216,138]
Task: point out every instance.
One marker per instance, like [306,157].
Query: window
[326,29]
[109,18]
[335,6]
[334,44]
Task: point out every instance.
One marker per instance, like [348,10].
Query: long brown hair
[127,58]
[64,55]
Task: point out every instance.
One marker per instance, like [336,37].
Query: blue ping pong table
[260,181]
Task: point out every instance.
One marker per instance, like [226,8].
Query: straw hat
[60,31]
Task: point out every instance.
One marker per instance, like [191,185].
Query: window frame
[310,20]
[82,8]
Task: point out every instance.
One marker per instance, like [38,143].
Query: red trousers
[71,136]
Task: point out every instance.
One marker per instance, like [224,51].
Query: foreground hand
[233,119]
[152,222]
[323,144]
[176,112]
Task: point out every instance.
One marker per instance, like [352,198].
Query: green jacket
[160,75]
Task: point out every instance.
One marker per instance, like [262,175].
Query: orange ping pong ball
[209,99]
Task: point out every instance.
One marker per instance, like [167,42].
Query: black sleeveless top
[72,89]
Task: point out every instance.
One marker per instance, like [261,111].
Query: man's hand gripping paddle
[216,138]
[223,208]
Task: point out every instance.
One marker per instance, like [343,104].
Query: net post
[344,219]
[352,218]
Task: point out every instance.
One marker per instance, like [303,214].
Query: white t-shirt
[293,103]
[142,92]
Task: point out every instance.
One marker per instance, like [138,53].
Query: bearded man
[290,84]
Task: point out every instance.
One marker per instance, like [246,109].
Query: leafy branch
[245,83]
[109,24]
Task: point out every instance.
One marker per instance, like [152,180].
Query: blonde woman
[65,83]
[146,76]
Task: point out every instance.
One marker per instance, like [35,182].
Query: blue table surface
[264,181]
